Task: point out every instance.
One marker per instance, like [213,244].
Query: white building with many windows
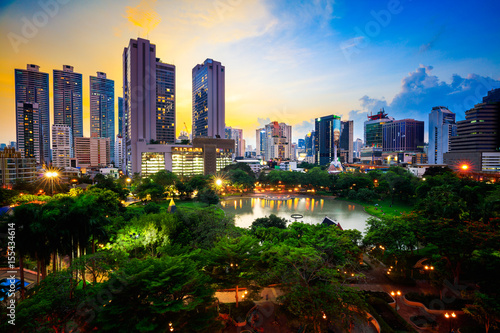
[62,142]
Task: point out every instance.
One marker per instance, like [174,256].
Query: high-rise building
[139,98]
[102,109]
[373,128]
[357,145]
[403,135]
[118,152]
[477,143]
[309,143]
[260,139]
[301,144]
[62,143]
[442,127]
[209,100]
[28,131]
[32,87]
[120,116]
[239,142]
[68,108]
[327,138]
[346,143]
[165,102]
[278,141]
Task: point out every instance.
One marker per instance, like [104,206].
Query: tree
[208,196]
[267,222]
[156,292]
[109,183]
[166,179]
[311,287]
[485,310]
[149,190]
[394,233]
[232,261]
[241,178]
[456,241]
[201,228]
[49,306]
[318,177]
[198,182]
[184,188]
[442,202]
[6,196]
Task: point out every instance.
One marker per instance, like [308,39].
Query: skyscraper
[118,152]
[102,109]
[477,143]
[327,131]
[32,86]
[165,102]
[346,143]
[403,135]
[357,145]
[278,141]
[139,98]
[373,128]
[120,116]
[442,127]
[28,130]
[260,139]
[309,143]
[209,99]
[68,108]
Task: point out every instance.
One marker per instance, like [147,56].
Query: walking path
[377,281]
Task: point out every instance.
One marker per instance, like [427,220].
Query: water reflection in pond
[314,210]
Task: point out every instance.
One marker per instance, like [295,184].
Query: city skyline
[313,59]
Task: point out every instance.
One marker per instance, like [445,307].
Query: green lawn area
[179,203]
[384,206]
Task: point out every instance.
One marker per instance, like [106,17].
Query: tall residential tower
[102,109]
[32,87]
[68,108]
[165,102]
[209,100]
[139,98]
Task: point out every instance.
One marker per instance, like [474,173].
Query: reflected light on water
[350,216]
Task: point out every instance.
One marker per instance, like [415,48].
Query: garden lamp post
[395,295]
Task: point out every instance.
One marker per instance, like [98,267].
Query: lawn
[381,208]
[178,203]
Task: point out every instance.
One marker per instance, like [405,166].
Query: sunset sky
[290,61]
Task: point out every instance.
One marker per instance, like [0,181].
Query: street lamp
[450,317]
[394,294]
[51,175]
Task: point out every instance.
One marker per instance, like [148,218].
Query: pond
[314,210]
